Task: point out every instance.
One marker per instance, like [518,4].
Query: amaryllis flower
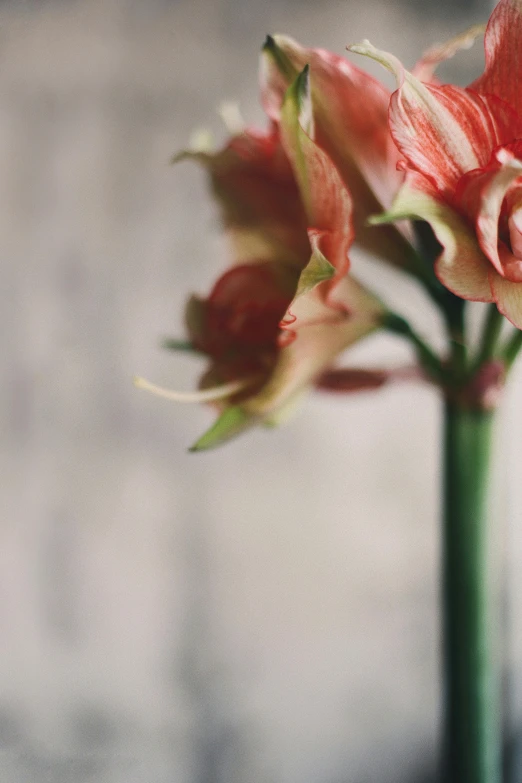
[462,153]
[279,316]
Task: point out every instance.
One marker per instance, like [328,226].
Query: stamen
[204,395]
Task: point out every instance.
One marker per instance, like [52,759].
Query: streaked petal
[508,297]
[426,66]
[327,203]
[354,137]
[442,131]
[462,266]
[503,72]
[495,186]
[260,203]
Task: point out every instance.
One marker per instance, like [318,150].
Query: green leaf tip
[269,44]
[171,344]
[281,60]
[232,422]
[316,271]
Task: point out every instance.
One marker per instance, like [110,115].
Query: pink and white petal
[493,193]
[462,266]
[508,297]
[503,72]
[442,131]
[426,66]
[328,205]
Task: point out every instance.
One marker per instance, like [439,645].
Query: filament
[203,395]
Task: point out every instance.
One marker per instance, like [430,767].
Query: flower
[279,316]
[462,156]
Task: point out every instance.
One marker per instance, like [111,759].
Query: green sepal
[316,271]
[233,421]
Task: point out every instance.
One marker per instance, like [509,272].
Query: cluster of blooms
[345,161]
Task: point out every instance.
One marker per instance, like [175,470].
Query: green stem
[428,359]
[512,347]
[471,676]
[490,335]
[456,326]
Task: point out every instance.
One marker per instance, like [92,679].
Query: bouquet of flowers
[428,178]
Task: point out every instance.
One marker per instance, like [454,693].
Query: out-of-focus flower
[462,154]
[286,308]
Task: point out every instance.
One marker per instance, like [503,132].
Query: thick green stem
[472,699]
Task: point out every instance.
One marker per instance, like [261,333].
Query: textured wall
[264,613]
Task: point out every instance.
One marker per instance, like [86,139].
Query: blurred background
[264,613]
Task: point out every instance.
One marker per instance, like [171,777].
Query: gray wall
[264,613]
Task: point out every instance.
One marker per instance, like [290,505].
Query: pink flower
[461,150]
[280,315]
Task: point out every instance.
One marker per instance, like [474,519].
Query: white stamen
[204,395]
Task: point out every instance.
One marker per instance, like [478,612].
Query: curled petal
[426,66]
[493,193]
[508,297]
[503,72]
[462,266]
[442,131]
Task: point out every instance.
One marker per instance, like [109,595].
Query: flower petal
[503,72]
[461,267]
[426,66]
[350,110]
[327,203]
[494,185]
[442,131]
[508,297]
[260,203]
[352,136]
